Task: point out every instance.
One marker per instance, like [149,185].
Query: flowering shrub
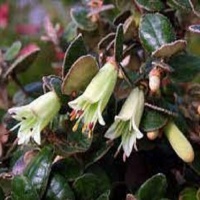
[103,104]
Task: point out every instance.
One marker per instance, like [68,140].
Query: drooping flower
[89,106]
[35,116]
[127,122]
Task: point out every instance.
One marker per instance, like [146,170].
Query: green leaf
[69,168]
[86,186]
[75,142]
[39,169]
[22,189]
[75,50]
[180,4]
[118,48]
[12,52]
[80,74]
[188,194]
[152,120]
[124,5]
[1,193]
[154,5]
[155,30]
[59,189]
[89,186]
[186,67]
[104,196]
[80,17]
[154,188]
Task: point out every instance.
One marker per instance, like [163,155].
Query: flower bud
[179,142]
[154,79]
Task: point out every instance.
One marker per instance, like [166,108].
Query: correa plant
[117,118]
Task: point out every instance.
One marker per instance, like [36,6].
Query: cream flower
[35,116]
[89,106]
[127,122]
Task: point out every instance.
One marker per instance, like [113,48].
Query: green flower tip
[35,116]
[127,122]
[89,106]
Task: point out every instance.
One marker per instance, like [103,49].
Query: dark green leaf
[74,143]
[104,196]
[154,5]
[80,17]
[69,168]
[1,193]
[155,30]
[39,169]
[75,50]
[59,189]
[80,74]
[188,194]
[154,188]
[186,67]
[180,4]
[22,189]
[118,48]
[12,52]
[88,186]
[152,120]
[124,5]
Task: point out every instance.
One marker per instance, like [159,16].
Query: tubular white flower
[127,121]
[89,106]
[35,116]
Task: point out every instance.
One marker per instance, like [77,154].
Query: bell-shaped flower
[35,116]
[127,122]
[89,106]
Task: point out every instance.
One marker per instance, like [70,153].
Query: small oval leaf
[118,47]
[152,120]
[38,170]
[12,52]
[167,50]
[80,17]
[75,50]
[155,30]
[153,5]
[147,190]
[80,75]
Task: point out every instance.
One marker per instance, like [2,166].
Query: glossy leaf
[152,120]
[75,50]
[184,64]
[69,168]
[80,17]
[80,75]
[12,52]
[38,170]
[155,5]
[155,30]
[118,47]
[59,189]
[154,188]
[22,189]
